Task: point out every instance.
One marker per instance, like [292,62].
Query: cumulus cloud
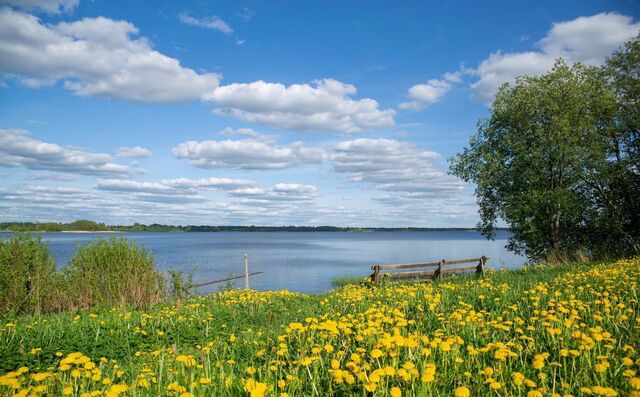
[326,105]
[51,176]
[46,6]
[250,154]
[246,192]
[281,192]
[177,186]
[180,190]
[585,39]
[135,152]
[423,95]
[95,57]
[394,166]
[17,149]
[248,133]
[213,22]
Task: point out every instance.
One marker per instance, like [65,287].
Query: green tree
[531,156]
[616,190]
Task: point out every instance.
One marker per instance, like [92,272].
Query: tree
[618,191]
[531,156]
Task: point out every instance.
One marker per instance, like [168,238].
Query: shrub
[28,274]
[179,284]
[113,271]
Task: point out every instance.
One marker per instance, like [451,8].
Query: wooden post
[438,273]
[483,260]
[246,271]
[376,273]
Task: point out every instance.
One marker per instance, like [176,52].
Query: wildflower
[518,378]
[187,361]
[461,391]
[395,392]
[255,389]
[370,386]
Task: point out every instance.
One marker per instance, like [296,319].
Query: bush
[179,284]
[28,274]
[114,271]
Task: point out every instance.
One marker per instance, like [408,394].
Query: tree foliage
[557,159]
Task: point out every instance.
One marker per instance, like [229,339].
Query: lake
[303,262]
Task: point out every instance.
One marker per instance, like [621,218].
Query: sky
[266,113]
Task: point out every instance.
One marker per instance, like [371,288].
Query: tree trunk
[555,233]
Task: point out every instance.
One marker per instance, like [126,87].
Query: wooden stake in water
[246,272]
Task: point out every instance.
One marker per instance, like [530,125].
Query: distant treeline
[79,225]
[90,226]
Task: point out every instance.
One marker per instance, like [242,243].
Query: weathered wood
[460,261]
[442,267]
[409,274]
[222,280]
[480,267]
[406,266]
[246,271]
[460,269]
[376,272]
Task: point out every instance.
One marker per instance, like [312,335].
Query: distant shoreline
[255,230]
[82,231]
[87,226]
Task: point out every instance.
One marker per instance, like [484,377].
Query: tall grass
[101,273]
[27,275]
[114,271]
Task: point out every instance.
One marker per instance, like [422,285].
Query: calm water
[303,262]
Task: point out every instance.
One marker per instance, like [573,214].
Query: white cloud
[393,166]
[324,106]
[176,186]
[209,183]
[51,176]
[294,188]
[18,150]
[281,192]
[213,22]
[247,132]
[253,154]
[124,185]
[47,6]
[133,152]
[244,192]
[95,57]
[180,190]
[423,95]
[585,39]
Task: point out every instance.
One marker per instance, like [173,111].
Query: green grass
[347,280]
[238,336]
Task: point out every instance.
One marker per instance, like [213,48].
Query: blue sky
[266,113]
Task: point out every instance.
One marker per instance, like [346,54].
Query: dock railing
[440,268]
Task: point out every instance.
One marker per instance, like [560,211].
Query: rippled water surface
[303,262]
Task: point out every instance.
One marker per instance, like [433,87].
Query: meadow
[539,331]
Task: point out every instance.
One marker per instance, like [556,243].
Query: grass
[568,330]
[347,280]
